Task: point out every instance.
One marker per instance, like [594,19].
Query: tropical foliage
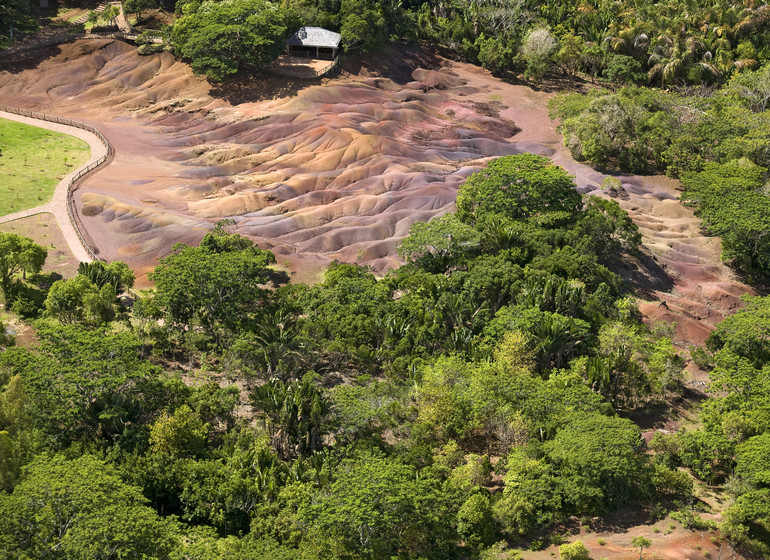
[357,418]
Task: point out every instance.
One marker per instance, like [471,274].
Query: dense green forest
[663,43]
[469,403]
[465,403]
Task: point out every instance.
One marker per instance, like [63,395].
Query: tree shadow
[552,82]
[643,273]
[277,277]
[14,59]
[623,519]
[665,415]
[44,280]
[395,62]
[253,85]
[18,62]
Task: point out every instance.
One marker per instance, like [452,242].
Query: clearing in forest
[32,162]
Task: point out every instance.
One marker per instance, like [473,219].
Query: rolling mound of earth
[331,169]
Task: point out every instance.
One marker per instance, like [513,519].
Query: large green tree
[379,508]
[437,242]
[732,203]
[85,384]
[219,38]
[218,286]
[79,300]
[519,187]
[80,509]
[18,254]
[599,460]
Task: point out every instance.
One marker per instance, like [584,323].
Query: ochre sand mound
[338,169]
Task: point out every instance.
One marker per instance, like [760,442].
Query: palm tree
[641,543]
[665,61]
[293,414]
[598,374]
[271,400]
[278,338]
[556,341]
[672,58]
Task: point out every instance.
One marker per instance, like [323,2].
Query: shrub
[574,551]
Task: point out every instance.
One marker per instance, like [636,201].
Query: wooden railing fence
[107,157]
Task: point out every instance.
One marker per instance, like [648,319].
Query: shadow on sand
[249,86]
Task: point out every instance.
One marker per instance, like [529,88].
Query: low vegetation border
[75,180]
[65,38]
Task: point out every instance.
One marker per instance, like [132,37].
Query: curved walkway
[58,203]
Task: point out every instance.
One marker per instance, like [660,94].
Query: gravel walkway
[58,204]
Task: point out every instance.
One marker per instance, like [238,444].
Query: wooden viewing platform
[300,67]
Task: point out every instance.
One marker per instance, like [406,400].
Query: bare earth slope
[337,169]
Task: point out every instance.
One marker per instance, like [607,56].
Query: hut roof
[315,37]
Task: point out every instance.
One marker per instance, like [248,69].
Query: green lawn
[32,162]
[43,230]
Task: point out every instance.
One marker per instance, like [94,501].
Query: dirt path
[121,21]
[58,203]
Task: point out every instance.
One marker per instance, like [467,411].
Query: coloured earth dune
[337,169]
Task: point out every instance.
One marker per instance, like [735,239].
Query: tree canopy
[518,187]
[469,401]
[219,38]
[18,254]
[214,286]
[80,508]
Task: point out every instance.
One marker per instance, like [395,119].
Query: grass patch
[43,230]
[32,162]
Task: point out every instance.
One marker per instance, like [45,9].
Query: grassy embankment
[32,162]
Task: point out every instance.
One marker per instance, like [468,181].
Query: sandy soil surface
[669,542]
